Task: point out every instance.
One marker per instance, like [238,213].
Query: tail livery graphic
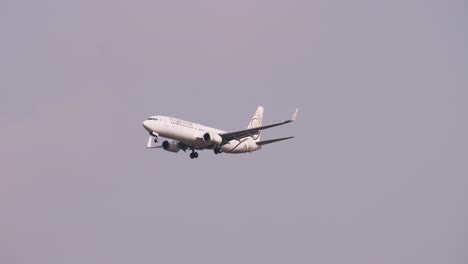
[256,121]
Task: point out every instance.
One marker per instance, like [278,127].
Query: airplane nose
[146,125]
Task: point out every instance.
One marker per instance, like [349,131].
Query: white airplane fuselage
[192,134]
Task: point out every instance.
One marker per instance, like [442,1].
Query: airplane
[185,135]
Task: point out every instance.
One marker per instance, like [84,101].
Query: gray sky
[377,172]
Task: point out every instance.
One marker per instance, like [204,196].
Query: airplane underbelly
[184,135]
[242,146]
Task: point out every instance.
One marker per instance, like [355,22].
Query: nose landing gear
[155,137]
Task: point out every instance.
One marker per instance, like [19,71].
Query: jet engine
[212,138]
[171,146]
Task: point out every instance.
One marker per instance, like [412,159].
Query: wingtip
[294,116]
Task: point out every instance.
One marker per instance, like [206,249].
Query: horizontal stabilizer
[261,143]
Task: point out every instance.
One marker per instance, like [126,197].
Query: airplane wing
[183,146]
[151,143]
[253,131]
[261,143]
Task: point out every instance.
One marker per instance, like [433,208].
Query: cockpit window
[152,118]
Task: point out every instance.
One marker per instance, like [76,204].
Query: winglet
[294,116]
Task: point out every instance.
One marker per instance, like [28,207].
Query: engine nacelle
[171,146]
[212,138]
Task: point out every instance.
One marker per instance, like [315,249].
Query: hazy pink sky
[377,172]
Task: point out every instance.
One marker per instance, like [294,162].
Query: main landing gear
[194,154]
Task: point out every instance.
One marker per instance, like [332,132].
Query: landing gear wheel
[156,140]
[194,155]
[217,151]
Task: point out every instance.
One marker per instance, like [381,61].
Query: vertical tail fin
[256,121]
